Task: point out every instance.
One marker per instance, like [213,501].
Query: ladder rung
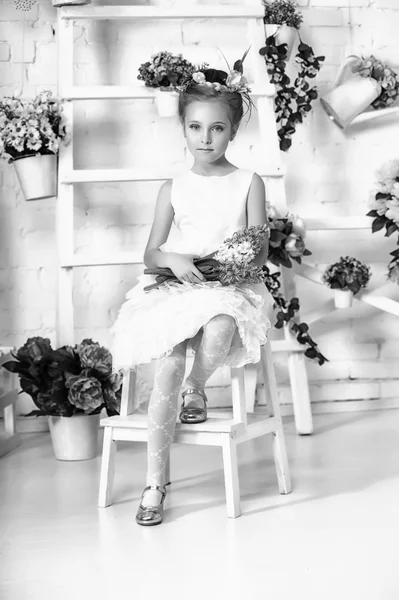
[99,92]
[87,260]
[335,223]
[286,346]
[110,175]
[153,12]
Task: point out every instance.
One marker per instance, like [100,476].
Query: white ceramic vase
[76,437]
[343,298]
[37,175]
[58,3]
[167,102]
[283,34]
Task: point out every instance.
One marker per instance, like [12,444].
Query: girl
[222,324]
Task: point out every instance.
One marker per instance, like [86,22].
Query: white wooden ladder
[263,93]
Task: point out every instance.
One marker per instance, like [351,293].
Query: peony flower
[272,212]
[86,393]
[294,245]
[34,348]
[393,210]
[389,170]
[236,81]
[94,356]
[199,77]
[298,226]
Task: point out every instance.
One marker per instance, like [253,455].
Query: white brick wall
[328,173]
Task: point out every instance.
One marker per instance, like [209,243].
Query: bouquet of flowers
[230,264]
[28,128]
[280,12]
[347,274]
[386,77]
[165,70]
[286,240]
[68,380]
[385,210]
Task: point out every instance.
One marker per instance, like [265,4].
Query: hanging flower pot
[343,298]
[37,175]
[283,35]
[166,101]
[58,3]
[346,101]
[76,437]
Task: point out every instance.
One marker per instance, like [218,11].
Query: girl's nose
[206,138]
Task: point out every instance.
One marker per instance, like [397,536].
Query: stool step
[219,423]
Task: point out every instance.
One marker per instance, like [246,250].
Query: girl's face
[208,130]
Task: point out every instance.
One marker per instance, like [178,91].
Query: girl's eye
[219,128]
[195,127]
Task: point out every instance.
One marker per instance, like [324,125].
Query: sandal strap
[160,488]
[195,391]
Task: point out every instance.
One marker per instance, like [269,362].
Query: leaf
[378,223]
[391,228]
[372,213]
[306,252]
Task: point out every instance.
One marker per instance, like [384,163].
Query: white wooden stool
[9,439]
[226,430]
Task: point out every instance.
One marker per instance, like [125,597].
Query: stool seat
[226,429]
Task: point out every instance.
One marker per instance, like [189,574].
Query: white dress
[207,210]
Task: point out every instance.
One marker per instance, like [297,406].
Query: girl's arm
[256,214]
[163,217]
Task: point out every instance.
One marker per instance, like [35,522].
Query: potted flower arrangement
[282,20]
[385,210]
[30,135]
[375,84]
[71,386]
[164,72]
[346,277]
[286,241]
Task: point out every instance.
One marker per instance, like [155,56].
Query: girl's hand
[183,267]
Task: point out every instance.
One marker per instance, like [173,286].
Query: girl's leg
[211,354]
[162,413]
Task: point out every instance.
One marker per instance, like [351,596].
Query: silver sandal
[193,415]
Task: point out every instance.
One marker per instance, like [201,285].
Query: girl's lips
[205,149]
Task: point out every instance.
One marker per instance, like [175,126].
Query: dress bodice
[207,210]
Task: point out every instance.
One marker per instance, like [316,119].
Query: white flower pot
[37,175]
[167,102]
[283,34]
[76,437]
[58,3]
[343,298]
[344,102]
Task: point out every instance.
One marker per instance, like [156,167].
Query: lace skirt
[150,324]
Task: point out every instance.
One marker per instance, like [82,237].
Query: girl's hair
[233,101]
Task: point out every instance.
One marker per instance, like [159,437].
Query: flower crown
[220,80]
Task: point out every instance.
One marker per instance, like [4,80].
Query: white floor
[335,537]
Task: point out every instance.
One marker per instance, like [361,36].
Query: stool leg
[281,461]
[279,447]
[107,469]
[231,481]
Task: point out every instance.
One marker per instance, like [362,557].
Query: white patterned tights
[163,406]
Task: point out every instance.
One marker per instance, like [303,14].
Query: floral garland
[385,210]
[384,75]
[286,315]
[292,103]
